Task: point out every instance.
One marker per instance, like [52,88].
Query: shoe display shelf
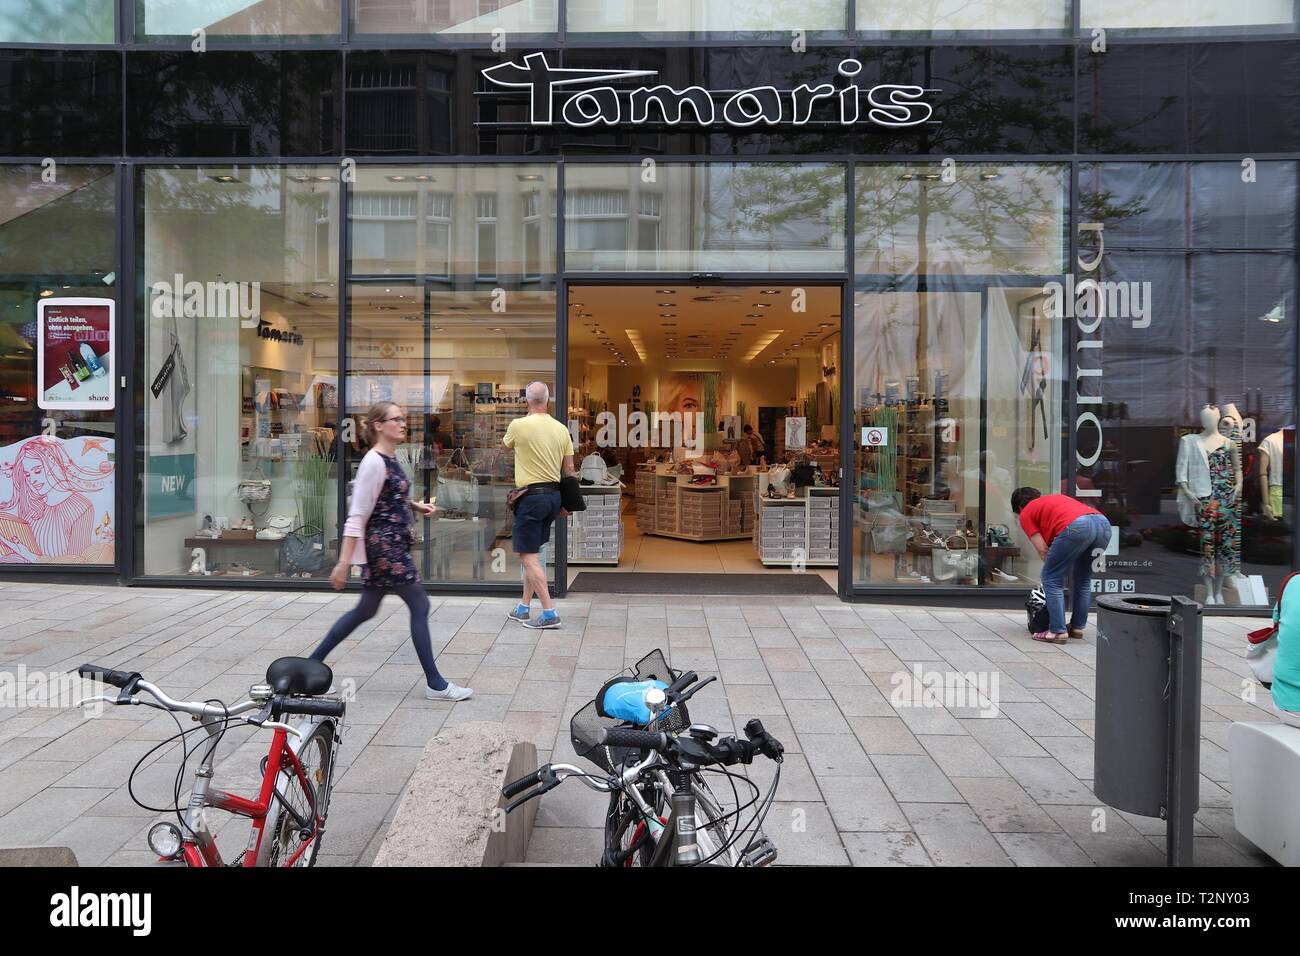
[670,506]
[596,535]
[804,529]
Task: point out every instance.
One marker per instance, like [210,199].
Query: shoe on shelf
[547,619]
[450,692]
[520,613]
[999,575]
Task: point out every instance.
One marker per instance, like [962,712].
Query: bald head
[538,395]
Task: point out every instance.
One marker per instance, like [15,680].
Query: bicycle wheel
[281,838]
[712,832]
[625,826]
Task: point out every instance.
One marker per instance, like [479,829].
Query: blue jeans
[1073,549]
[418,604]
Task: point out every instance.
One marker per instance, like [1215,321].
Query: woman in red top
[1065,533]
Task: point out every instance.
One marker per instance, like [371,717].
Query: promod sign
[585,98]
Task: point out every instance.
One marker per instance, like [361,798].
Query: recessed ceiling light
[575,305]
[667,305]
[666,291]
[762,305]
[753,315]
[528,177]
[667,315]
[770,292]
[397,179]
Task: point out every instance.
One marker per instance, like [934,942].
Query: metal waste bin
[1131,735]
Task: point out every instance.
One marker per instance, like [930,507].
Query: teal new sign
[170,486]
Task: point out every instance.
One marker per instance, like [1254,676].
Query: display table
[670,506]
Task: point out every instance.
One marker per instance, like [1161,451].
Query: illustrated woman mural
[47,514]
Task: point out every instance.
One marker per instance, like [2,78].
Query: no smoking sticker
[874,437]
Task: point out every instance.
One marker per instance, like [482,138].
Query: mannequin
[1208,475]
[1271,474]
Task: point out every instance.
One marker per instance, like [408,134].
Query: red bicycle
[289,814]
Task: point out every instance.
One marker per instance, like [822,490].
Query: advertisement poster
[56,501]
[170,486]
[796,432]
[74,340]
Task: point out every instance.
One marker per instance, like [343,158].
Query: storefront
[936,252]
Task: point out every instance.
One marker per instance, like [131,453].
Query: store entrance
[706,424]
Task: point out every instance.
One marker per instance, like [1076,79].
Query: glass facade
[58,433]
[1055,278]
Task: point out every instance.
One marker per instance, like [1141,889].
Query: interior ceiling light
[528,177]
[763,342]
[576,305]
[634,336]
[224,178]
[753,315]
[770,292]
[748,325]
[667,315]
[762,305]
[667,305]
[666,291]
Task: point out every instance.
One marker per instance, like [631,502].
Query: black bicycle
[662,810]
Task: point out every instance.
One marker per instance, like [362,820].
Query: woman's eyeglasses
[400,418]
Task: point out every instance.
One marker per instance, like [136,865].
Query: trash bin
[1131,733]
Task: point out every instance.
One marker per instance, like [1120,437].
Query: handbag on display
[303,551]
[457,485]
[889,538]
[252,490]
[955,562]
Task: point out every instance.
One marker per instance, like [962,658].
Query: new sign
[585,98]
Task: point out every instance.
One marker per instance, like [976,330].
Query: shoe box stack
[645,500]
[781,530]
[666,509]
[740,516]
[702,513]
[823,528]
[597,534]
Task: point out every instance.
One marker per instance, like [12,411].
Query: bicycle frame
[199,846]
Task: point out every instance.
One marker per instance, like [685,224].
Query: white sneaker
[451,692]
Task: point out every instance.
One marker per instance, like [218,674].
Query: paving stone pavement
[873,777]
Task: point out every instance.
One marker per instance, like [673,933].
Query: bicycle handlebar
[633,737]
[308,707]
[107,675]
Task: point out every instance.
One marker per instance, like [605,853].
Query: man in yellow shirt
[543,451]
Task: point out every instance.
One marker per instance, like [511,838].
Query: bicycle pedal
[762,852]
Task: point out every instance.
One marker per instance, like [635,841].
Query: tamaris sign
[584,98]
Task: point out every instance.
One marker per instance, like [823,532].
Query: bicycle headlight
[165,840]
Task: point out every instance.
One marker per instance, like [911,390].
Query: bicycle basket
[587,723]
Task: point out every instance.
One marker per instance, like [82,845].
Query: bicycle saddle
[299,676]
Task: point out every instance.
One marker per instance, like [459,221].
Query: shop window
[959,369]
[486,230]
[244,20]
[57,21]
[1185,16]
[238,331]
[717,217]
[981,17]
[455,343]
[1185,429]
[715,19]
[460,21]
[58,366]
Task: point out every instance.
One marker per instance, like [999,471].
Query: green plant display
[313,475]
[710,411]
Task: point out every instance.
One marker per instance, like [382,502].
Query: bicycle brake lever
[274,725]
[103,697]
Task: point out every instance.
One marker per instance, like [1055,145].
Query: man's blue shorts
[535,512]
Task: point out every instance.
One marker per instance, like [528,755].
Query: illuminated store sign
[584,98]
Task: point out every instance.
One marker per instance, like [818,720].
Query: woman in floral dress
[377,536]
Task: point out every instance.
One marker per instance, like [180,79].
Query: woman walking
[377,536]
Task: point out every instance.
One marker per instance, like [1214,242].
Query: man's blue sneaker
[520,613]
[544,620]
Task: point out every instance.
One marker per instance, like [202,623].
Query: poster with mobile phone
[74,342]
